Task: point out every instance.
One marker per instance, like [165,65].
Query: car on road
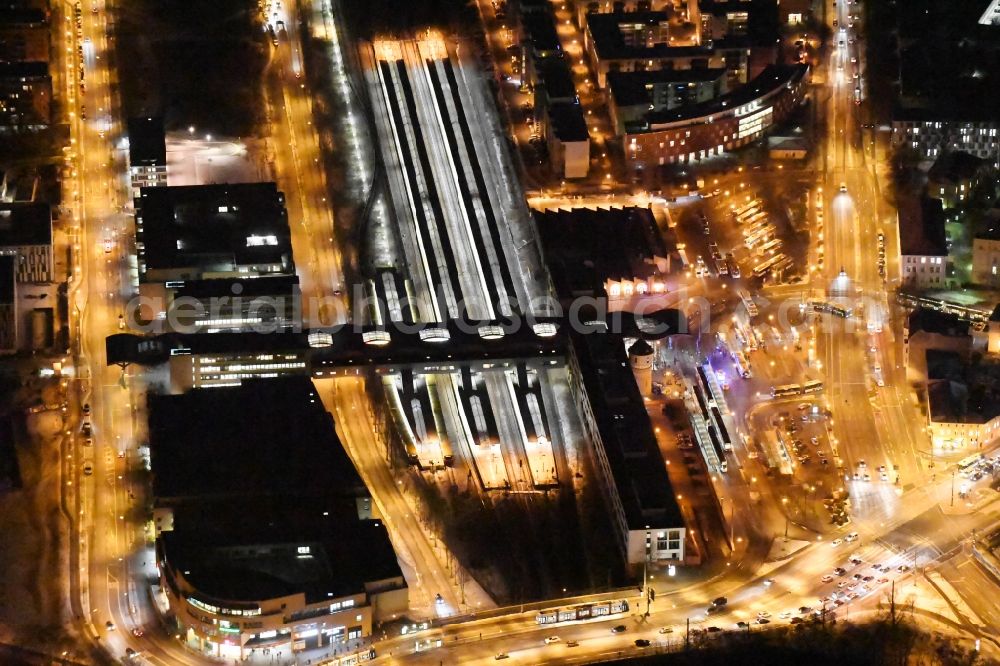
[88,468]
[109,625]
[835,543]
[618,628]
[763,620]
[86,408]
[842,584]
[641,643]
[666,630]
[551,639]
[853,536]
[867,476]
[768,582]
[571,644]
[902,568]
[843,187]
[827,578]
[137,632]
[86,429]
[502,655]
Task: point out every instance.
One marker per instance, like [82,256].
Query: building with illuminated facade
[224,249]
[265,533]
[923,247]
[691,133]
[617,253]
[147,153]
[963,400]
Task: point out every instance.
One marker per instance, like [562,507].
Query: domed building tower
[640,357]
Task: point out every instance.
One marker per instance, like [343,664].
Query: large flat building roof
[213,228]
[568,123]
[633,88]
[234,551]
[921,227]
[264,438]
[147,142]
[583,247]
[771,80]
[25,223]
[637,466]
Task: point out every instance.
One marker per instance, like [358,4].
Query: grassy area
[196,63]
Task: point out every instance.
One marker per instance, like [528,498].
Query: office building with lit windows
[923,248]
[207,243]
[265,533]
[649,525]
[25,96]
[931,134]
[691,133]
[147,153]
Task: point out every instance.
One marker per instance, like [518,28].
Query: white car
[853,536]
[827,578]
[551,639]
[835,543]
[843,187]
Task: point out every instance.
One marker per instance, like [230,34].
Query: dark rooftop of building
[265,438]
[636,88]
[944,364]
[568,123]
[935,321]
[955,166]
[770,80]
[540,31]
[25,223]
[8,273]
[947,60]
[921,227]
[16,16]
[25,70]
[584,247]
[610,43]
[242,287]
[637,466]
[231,551]
[962,392]
[557,79]
[214,228]
[147,142]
